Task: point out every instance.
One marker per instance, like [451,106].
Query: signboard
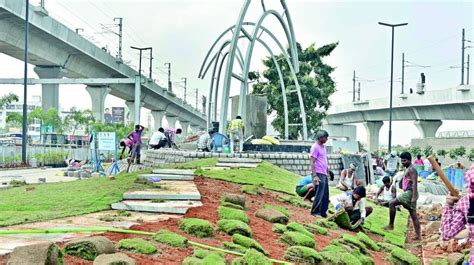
[118,115]
[107,141]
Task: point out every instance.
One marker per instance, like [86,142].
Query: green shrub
[316,229]
[232,214]
[281,209]
[196,227]
[253,257]
[302,255]
[297,239]
[368,241]
[248,242]
[137,245]
[279,228]
[295,227]
[172,239]
[231,227]
[234,247]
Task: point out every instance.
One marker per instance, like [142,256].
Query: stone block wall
[297,163]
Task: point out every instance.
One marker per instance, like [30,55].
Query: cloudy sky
[181,31]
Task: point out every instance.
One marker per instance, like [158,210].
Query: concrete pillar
[131,109]
[428,128]
[194,128]
[171,121]
[49,92]
[157,118]
[184,127]
[98,94]
[373,130]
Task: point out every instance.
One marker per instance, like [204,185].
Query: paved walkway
[32,175]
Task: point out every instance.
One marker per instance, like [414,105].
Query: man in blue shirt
[305,188]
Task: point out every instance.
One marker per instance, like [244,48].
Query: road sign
[107,141]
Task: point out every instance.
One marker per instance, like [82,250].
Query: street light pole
[354,87]
[138,87]
[185,80]
[467,74]
[170,88]
[403,71]
[391,81]
[25,90]
[462,57]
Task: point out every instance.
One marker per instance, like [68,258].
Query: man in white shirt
[353,203]
[391,163]
[205,142]
[158,139]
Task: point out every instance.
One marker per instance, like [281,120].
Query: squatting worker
[348,180]
[460,212]
[320,173]
[305,188]
[408,197]
[353,203]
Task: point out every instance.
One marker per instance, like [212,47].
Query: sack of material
[271,139]
[38,254]
[89,248]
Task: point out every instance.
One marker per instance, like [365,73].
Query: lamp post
[24,128]
[138,86]
[393,26]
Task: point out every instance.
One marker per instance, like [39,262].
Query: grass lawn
[55,200]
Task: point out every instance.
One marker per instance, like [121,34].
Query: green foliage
[441,152]
[414,151]
[279,228]
[460,151]
[368,241]
[248,242]
[234,247]
[316,229]
[295,227]
[172,239]
[8,99]
[14,119]
[250,189]
[137,245]
[297,239]
[121,129]
[471,155]
[253,257]
[232,227]
[78,118]
[53,156]
[196,227]
[452,154]
[47,201]
[316,87]
[302,255]
[279,208]
[232,214]
[428,150]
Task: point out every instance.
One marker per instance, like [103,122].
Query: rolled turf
[272,216]
[232,214]
[196,227]
[254,257]
[172,239]
[232,227]
[137,245]
[117,258]
[279,228]
[316,229]
[297,239]
[248,242]
[90,247]
[234,198]
[43,253]
[302,255]
[295,227]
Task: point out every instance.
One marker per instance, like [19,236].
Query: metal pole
[462,58]
[42,3]
[391,96]
[140,66]
[358,93]
[25,88]
[120,24]
[185,84]
[197,99]
[170,89]
[467,72]
[354,87]
[151,60]
[403,71]
[138,83]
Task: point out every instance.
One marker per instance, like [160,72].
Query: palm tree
[7,99]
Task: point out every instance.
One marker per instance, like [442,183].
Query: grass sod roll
[279,228]
[196,227]
[334,254]
[253,256]
[114,259]
[316,229]
[232,205]
[171,239]
[342,219]
[327,224]
[404,257]
[232,227]
[214,259]
[200,253]
[295,227]
[272,216]
[302,255]
[190,260]
[440,261]
[42,253]
[297,239]
[232,214]
[90,247]
[350,239]
[238,261]
[234,198]
[248,242]
[368,241]
[234,247]
[250,189]
[279,208]
[137,245]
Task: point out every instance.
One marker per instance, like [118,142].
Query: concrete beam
[171,120]
[184,127]
[98,95]
[373,130]
[49,92]
[428,128]
[157,118]
[68,81]
[341,131]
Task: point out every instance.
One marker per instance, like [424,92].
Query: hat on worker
[359,191]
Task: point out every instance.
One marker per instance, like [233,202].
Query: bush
[441,152]
[172,239]
[137,245]
[295,227]
[231,227]
[248,242]
[232,214]
[297,239]
[196,227]
[471,155]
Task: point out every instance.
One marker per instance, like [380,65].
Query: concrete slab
[237,165]
[174,171]
[170,190]
[167,176]
[239,160]
[174,207]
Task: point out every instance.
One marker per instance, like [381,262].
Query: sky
[181,32]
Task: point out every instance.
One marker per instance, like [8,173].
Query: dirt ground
[211,191]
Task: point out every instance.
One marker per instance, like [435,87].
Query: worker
[236,133]
[320,172]
[158,139]
[305,188]
[459,212]
[348,180]
[136,138]
[204,143]
[125,144]
[391,164]
[418,161]
[353,203]
[408,197]
[171,134]
[388,192]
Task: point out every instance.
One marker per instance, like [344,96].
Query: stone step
[239,160]
[182,172]
[170,190]
[237,165]
[172,207]
[167,176]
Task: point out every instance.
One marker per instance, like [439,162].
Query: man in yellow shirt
[236,132]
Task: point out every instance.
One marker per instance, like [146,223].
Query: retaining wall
[297,163]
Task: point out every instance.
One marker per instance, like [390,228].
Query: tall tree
[7,99]
[79,118]
[316,86]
